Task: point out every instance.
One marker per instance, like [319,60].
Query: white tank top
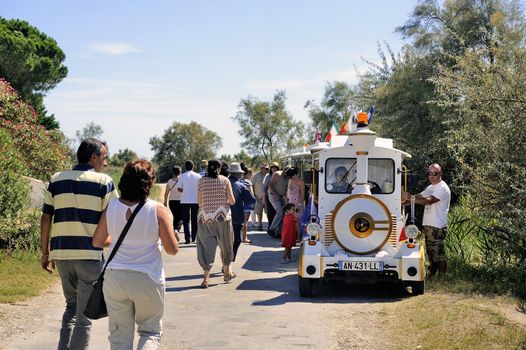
[141,248]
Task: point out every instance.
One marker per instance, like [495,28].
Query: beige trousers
[209,236]
[133,297]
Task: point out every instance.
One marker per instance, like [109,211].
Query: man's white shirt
[435,215]
[189,181]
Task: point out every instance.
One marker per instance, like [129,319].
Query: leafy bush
[41,152]
[18,223]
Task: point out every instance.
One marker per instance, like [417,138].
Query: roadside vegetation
[445,321]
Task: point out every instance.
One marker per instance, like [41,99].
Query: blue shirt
[243,197]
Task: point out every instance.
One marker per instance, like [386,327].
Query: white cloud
[349,75]
[114,49]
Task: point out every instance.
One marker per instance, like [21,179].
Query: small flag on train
[317,136]
[370,115]
[332,132]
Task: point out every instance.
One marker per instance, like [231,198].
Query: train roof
[340,141]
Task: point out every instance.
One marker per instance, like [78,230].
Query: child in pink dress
[288,232]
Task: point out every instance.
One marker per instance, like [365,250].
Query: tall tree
[181,142]
[337,105]
[487,101]
[459,25]
[266,126]
[91,130]
[122,157]
[32,63]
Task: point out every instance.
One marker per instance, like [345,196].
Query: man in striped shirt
[73,203]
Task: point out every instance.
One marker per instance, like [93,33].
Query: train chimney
[362,139]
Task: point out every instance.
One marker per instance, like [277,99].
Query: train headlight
[313,229]
[411,231]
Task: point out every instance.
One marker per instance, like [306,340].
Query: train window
[340,175]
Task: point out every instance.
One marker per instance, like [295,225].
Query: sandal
[247,241]
[228,278]
[204,285]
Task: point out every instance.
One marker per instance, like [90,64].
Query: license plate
[361,265]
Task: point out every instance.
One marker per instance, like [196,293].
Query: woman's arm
[230,194]
[166,193]
[101,238]
[166,231]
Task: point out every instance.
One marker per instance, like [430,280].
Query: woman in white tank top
[134,279]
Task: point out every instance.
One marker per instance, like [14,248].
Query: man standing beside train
[436,198]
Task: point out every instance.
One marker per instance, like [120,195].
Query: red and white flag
[332,132]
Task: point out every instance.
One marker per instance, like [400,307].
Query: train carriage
[356,234]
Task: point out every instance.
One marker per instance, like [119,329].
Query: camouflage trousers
[435,243]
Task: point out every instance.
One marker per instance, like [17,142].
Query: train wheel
[418,288]
[305,286]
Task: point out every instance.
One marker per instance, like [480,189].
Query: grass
[21,276]
[448,321]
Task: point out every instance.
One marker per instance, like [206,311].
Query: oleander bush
[18,222]
[41,152]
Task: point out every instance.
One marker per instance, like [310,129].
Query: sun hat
[235,168]
[204,162]
[274,164]
[263,165]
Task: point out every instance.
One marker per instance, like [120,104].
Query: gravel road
[260,309]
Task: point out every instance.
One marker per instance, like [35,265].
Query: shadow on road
[269,261]
[334,292]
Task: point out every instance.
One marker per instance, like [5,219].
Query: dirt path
[260,309]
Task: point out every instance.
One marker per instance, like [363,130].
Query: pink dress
[294,195]
[288,231]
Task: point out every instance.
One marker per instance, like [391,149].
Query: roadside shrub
[18,223]
[41,152]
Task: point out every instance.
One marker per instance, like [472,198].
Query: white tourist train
[356,234]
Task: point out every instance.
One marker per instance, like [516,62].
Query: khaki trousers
[209,236]
[133,297]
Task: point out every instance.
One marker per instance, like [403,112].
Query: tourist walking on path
[204,164]
[172,199]
[271,212]
[73,203]
[242,196]
[187,185]
[134,279]
[247,208]
[277,190]
[215,198]
[296,193]
[257,185]
[436,198]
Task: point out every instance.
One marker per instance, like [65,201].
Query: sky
[135,67]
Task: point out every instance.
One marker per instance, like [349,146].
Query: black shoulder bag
[96,306]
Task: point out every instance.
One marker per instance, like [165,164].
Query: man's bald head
[434,173]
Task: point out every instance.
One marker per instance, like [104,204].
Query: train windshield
[340,175]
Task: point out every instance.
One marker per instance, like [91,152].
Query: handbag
[96,306]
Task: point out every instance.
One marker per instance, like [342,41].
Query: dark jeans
[237,238]
[177,213]
[189,213]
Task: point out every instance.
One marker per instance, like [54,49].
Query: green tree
[122,157]
[181,142]
[91,130]
[337,105]
[487,101]
[266,126]
[32,62]
[457,26]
